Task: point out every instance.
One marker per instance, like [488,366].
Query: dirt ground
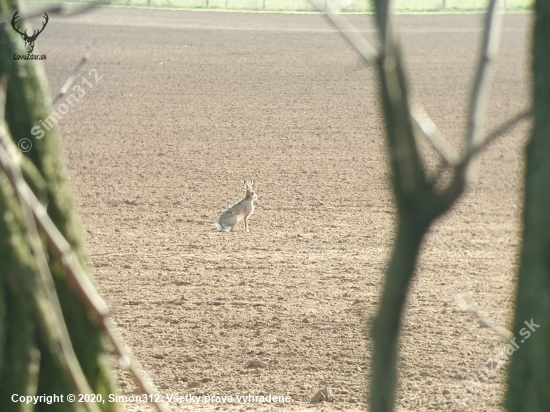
[189,104]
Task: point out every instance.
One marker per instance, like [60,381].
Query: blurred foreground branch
[53,323]
[420,200]
[35,216]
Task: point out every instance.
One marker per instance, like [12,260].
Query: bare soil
[189,105]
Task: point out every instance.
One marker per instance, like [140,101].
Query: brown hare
[239,211]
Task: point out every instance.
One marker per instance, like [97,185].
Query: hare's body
[239,211]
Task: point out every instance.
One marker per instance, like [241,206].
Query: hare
[239,211]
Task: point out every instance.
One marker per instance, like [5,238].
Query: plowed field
[187,105]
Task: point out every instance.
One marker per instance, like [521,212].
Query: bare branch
[71,77]
[129,363]
[480,93]
[58,9]
[431,133]
[467,304]
[420,118]
[499,131]
[82,284]
[351,34]
[458,184]
[77,375]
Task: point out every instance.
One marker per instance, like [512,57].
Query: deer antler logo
[29,40]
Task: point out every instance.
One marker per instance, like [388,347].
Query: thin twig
[72,76]
[76,274]
[461,164]
[351,34]
[499,131]
[480,93]
[467,304]
[431,133]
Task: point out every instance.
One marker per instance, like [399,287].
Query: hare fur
[239,211]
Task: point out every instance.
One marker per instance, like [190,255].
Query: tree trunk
[386,327]
[529,379]
[30,362]
[418,206]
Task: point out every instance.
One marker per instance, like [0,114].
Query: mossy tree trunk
[30,363]
[529,380]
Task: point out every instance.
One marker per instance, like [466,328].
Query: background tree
[420,197]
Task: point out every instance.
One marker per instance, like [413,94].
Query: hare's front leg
[246,223]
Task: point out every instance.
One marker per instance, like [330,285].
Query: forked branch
[475,140]
[419,117]
[418,201]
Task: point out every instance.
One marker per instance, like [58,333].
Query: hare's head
[250,194]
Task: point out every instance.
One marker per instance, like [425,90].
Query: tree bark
[529,379]
[30,362]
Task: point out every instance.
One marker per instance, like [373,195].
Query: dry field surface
[188,105]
